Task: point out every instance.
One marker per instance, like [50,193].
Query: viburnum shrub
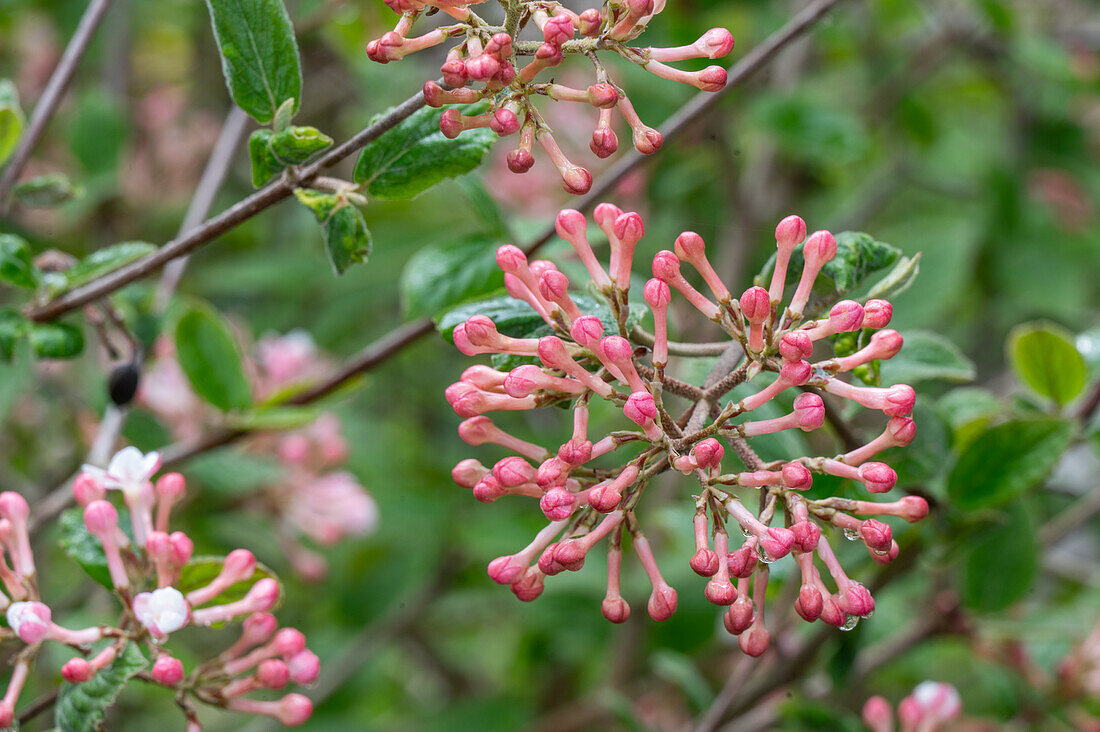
[773,337]
[491,63]
[162,589]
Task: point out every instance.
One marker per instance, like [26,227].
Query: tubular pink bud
[558,504]
[884,344]
[167,671]
[481,430]
[795,346]
[658,295]
[616,351]
[587,330]
[806,536]
[708,453]
[628,229]
[878,477]
[710,79]
[715,43]
[272,674]
[788,234]
[575,179]
[554,287]
[740,616]
[529,586]
[666,267]
[573,227]
[589,22]
[878,715]
[553,354]
[504,122]
[558,29]
[819,249]
[809,603]
[454,73]
[877,314]
[894,401]
[757,310]
[646,139]
[691,248]
[742,562]
[844,317]
[641,409]
[437,96]
[604,141]
[797,476]
[240,565]
[101,520]
[482,68]
[292,710]
[720,590]
[876,535]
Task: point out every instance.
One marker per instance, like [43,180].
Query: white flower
[940,701]
[162,611]
[129,470]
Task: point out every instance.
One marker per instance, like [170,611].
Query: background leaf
[1007,460]
[208,354]
[47,191]
[414,156]
[1001,562]
[85,549]
[56,340]
[201,570]
[82,707]
[259,54]
[926,356]
[440,276]
[1044,357]
[17,263]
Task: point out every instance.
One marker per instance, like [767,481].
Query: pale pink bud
[877,313]
[819,249]
[756,307]
[754,641]
[589,22]
[740,616]
[529,586]
[603,95]
[788,234]
[878,715]
[504,122]
[292,710]
[272,674]
[662,603]
[454,73]
[810,410]
[587,330]
[937,701]
[796,346]
[691,248]
[482,68]
[558,504]
[304,667]
[641,409]
[182,548]
[513,471]
[167,671]
[87,489]
[666,267]
[31,621]
[558,29]
[605,497]
[797,476]
[809,603]
[708,453]
[913,508]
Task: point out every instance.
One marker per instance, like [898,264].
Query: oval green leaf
[208,355]
[1043,357]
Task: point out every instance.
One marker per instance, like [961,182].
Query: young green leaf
[11,119]
[1001,561]
[347,238]
[414,156]
[82,707]
[1044,357]
[927,356]
[274,418]
[1007,460]
[47,191]
[897,280]
[295,145]
[259,54]
[17,263]
[209,357]
[97,264]
[264,164]
[201,570]
[56,340]
[441,276]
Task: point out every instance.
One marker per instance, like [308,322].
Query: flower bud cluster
[146,563]
[928,709]
[585,504]
[313,500]
[493,64]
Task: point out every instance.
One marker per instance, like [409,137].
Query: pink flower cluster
[485,66]
[313,499]
[146,573]
[586,504]
[930,707]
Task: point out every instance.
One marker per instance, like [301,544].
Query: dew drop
[851,535]
[850,623]
[763,555]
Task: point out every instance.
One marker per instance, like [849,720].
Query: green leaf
[264,164]
[208,355]
[295,145]
[98,131]
[440,276]
[47,191]
[56,340]
[926,356]
[97,264]
[259,54]
[11,119]
[201,570]
[13,326]
[17,263]
[1043,357]
[82,707]
[414,156]
[858,255]
[897,280]
[1001,561]
[347,238]
[1007,460]
[274,418]
[85,549]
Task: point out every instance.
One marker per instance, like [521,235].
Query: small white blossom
[129,471]
[162,611]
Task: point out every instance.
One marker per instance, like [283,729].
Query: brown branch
[51,98]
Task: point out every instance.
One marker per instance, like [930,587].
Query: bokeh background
[966,130]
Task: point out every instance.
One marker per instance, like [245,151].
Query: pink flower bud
[504,122]
[704,563]
[740,616]
[454,73]
[77,671]
[662,603]
[878,715]
[605,498]
[529,586]
[513,471]
[292,710]
[182,548]
[810,410]
[31,621]
[558,504]
[878,477]
[304,667]
[603,95]
[715,43]
[876,535]
[777,543]
[819,249]
[877,313]
[708,453]
[641,409]
[590,21]
[604,143]
[796,346]
[806,535]
[936,701]
[520,161]
[913,508]
[488,489]
[885,558]
[167,671]
[754,641]
[615,609]
[666,267]
[272,674]
[87,489]
[587,330]
[788,234]
[482,68]
[902,430]
[797,476]
[856,600]
[558,29]
[809,603]
[742,562]
[258,627]
[505,570]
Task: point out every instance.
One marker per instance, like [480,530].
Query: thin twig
[51,97]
